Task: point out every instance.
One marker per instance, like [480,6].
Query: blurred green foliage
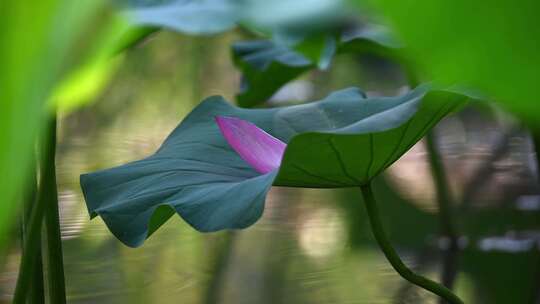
[491,46]
[55,56]
[35,41]
[95,69]
[206,17]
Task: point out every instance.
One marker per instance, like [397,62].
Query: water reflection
[528,202]
[506,244]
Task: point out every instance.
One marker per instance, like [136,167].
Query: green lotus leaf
[343,140]
[268,65]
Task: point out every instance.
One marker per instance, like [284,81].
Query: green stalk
[536,141]
[444,198]
[53,257]
[393,257]
[535,297]
[30,255]
[219,269]
[445,203]
[37,293]
[46,196]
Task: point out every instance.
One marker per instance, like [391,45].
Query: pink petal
[258,148]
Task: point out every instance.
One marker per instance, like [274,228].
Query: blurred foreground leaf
[487,45]
[97,65]
[35,43]
[186,16]
[215,16]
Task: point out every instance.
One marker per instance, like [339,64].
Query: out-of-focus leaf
[487,45]
[214,16]
[188,16]
[372,39]
[298,16]
[319,49]
[266,66]
[83,85]
[343,140]
[97,66]
[35,39]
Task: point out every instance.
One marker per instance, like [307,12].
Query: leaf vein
[341,163]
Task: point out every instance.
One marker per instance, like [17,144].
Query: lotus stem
[46,205]
[535,133]
[36,289]
[30,254]
[445,204]
[393,257]
[220,267]
[53,257]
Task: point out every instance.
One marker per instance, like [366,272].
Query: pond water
[311,246]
